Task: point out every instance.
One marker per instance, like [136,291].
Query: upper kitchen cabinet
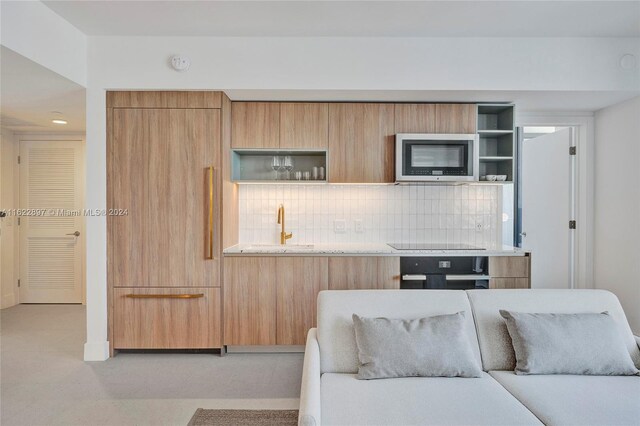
[435,118]
[255,125]
[304,125]
[361,142]
[456,118]
[415,118]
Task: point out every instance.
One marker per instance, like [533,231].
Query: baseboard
[8,300]
[266,349]
[96,351]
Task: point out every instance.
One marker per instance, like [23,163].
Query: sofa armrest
[310,391]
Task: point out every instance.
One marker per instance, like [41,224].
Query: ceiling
[29,93]
[510,18]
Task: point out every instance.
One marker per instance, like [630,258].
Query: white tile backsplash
[389,213]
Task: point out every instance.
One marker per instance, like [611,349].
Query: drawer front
[166,318]
[509,266]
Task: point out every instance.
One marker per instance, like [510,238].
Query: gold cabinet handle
[209,235]
[165,296]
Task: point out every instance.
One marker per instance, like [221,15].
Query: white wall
[36,32]
[9,294]
[378,63]
[617,205]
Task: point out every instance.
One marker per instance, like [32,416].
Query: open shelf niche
[254,165]
[496,131]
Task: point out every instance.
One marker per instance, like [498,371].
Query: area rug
[204,417]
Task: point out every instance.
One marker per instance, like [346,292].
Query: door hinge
[572,224]
[18,282]
[572,150]
[18,221]
[18,159]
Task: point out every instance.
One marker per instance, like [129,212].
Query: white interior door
[50,239]
[547,208]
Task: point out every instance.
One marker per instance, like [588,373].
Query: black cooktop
[433,246]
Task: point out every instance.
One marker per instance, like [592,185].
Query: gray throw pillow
[586,344]
[435,346]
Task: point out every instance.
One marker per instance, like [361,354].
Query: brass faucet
[283,235]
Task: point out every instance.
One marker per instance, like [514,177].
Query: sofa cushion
[495,343]
[588,344]
[336,336]
[419,401]
[577,400]
[422,347]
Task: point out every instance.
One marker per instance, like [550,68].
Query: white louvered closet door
[50,253]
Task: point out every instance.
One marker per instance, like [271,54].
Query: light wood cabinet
[166,318]
[415,118]
[364,272]
[502,283]
[509,266]
[304,125]
[510,271]
[158,165]
[163,166]
[361,143]
[250,300]
[127,188]
[299,280]
[456,118]
[255,125]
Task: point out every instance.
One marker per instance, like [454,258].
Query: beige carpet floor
[204,417]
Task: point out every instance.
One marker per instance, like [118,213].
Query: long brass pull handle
[165,296]
[210,218]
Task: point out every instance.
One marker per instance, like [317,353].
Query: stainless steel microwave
[436,157]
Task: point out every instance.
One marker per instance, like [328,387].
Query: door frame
[72,137]
[583,139]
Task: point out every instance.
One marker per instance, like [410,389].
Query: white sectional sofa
[331,395]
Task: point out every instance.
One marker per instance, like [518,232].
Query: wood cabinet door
[250,301]
[153,319]
[299,280]
[127,189]
[364,272]
[361,143]
[388,273]
[502,283]
[415,118]
[182,145]
[456,118]
[304,125]
[509,266]
[255,125]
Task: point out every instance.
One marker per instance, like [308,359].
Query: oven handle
[414,277]
[470,277]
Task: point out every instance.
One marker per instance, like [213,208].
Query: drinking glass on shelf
[298,175]
[306,175]
[287,164]
[276,165]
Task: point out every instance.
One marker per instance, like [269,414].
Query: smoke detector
[180,63]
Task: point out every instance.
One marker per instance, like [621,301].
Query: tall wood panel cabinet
[164,154]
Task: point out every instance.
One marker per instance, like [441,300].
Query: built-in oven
[436,157]
[444,273]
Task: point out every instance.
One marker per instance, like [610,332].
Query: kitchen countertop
[358,249]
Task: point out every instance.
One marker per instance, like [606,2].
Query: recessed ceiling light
[58,121]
